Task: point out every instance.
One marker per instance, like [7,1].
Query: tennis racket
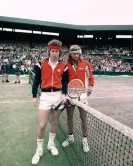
[75,89]
[57,107]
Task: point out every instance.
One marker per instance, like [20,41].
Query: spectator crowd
[26,55]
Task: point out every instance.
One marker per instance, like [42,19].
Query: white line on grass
[10,84]
[114,89]
[9,102]
[107,97]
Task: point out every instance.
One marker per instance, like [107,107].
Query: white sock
[71,137]
[85,138]
[39,144]
[51,138]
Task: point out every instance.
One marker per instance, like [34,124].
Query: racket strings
[75,89]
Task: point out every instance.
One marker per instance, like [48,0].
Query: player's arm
[36,83]
[64,83]
[90,79]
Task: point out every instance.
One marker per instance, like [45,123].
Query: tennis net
[111,143]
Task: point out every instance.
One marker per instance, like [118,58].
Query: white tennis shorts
[49,100]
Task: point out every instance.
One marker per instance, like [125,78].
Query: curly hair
[55,42]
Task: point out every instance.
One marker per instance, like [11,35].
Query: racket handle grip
[56,108]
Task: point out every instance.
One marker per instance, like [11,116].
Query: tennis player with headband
[79,69]
[53,76]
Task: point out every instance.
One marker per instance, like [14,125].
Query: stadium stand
[111,142]
[101,59]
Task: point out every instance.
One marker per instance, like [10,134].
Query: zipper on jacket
[53,74]
[52,79]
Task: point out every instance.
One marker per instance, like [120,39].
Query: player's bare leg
[16,79]
[83,116]
[70,139]
[6,77]
[3,78]
[54,122]
[42,122]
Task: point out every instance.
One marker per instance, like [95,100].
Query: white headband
[77,51]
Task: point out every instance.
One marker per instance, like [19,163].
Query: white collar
[52,62]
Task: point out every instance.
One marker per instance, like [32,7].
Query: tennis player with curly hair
[53,75]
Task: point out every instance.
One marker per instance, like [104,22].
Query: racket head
[75,88]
